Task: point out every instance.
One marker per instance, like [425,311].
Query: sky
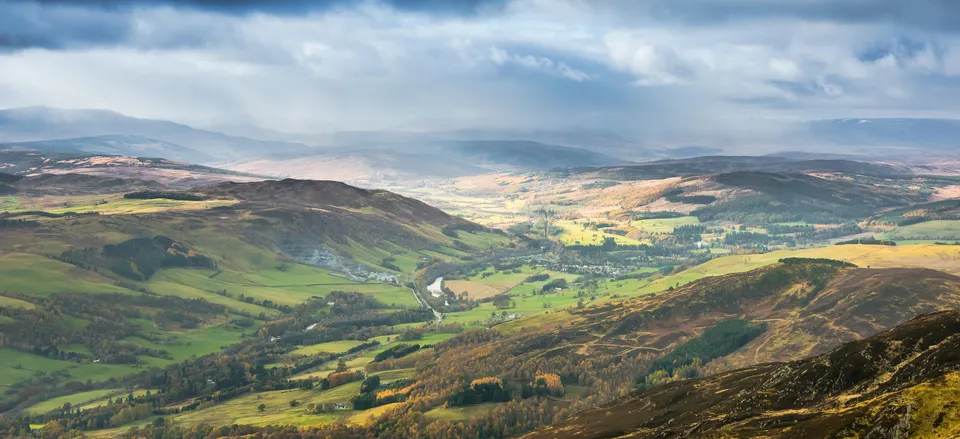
[726,67]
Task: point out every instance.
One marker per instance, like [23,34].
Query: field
[38,276]
[76,399]
[291,286]
[576,232]
[185,344]
[945,230]
[531,287]
[333,347]
[9,204]
[9,302]
[479,287]
[366,417]
[665,225]
[458,413]
[243,410]
[117,205]
[16,366]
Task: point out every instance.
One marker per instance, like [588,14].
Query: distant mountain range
[123,145]
[905,136]
[369,157]
[101,131]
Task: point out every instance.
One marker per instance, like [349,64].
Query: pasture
[243,410]
[117,205]
[665,225]
[76,399]
[946,230]
[577,232]
[8,204]
[332,347]
[38,276]
[16,366]
[10,302]
[459,413]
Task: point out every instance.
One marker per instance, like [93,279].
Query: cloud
[693,70]
[542,64]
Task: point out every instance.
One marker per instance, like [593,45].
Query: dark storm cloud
[942,15]
[25,24]
[67,24]
[286,6]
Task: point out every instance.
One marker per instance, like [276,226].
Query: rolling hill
[134,280]
[899,383]
[43,124]
[172,173]
[116,145]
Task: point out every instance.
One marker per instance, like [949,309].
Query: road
[423,302]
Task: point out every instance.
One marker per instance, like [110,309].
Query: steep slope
[900,383]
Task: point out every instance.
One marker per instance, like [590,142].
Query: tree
[547,215]
[341,365]
[261,407]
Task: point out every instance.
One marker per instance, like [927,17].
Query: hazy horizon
[725,72]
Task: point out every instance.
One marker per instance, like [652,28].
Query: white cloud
[372,67]
[542,64]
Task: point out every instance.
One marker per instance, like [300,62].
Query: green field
[665,225]
[243,410]
[8,204]
[577,233]
[333,347]
[38,276]
[119,205]
[292,286]
[17,366]
[530,287]
[9,302]
[75,400]
[185,344]
[458,413]
[946,230]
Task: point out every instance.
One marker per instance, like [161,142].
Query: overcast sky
[725,66]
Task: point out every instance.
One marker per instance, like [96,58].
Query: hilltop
[80,184]
[899,383]
[332,194]
[171,173]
